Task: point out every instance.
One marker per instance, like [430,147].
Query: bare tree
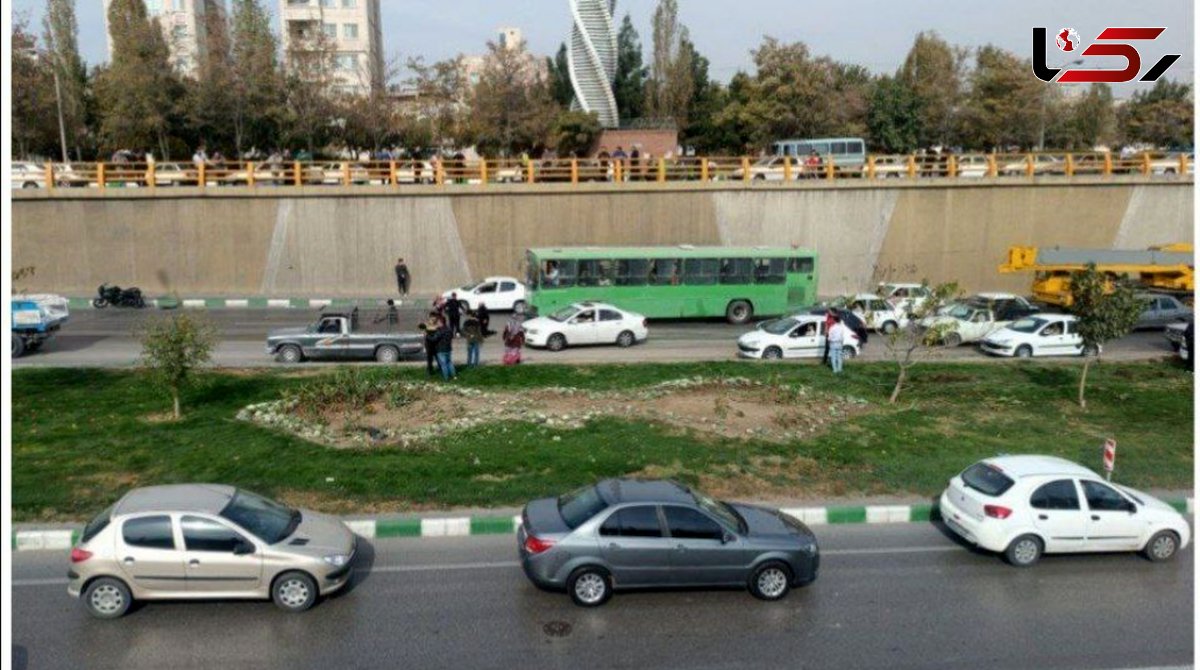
[917,340]
[670,87]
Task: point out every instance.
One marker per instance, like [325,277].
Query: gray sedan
[651,534]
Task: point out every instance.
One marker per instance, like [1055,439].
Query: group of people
[449,320]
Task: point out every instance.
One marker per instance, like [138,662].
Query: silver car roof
[204,498]
[617,491]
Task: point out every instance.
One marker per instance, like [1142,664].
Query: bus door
[801,281]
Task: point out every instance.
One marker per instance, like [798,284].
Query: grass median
[82,437]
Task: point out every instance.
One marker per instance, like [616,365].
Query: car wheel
[760,177]
[99,303]
[1162,546]
[1091,350]
[771,581]
[1024,351]
[519,307]
[773,353]
[953,339]
[18,346]
[626,339]
[1024,551]
[888,327]
[294,591]
[387,354]
[849,352]
[289,353]
[107,598]
[738,312]
[466,306]
[29,184]
[556,342]
[590,586]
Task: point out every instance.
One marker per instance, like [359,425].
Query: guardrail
[481,172]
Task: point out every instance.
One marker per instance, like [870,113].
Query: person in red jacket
[830,319]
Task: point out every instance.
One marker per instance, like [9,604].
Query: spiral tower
[592,59]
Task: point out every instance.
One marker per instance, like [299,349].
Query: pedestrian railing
[482,172]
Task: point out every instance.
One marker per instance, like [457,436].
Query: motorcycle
[119,297]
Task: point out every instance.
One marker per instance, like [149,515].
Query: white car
[26,175]
[586,323]
[498,293]
[801,336]
[1024,506]
[907,298]
[1038,335]
[878,314]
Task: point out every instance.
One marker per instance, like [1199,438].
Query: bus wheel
[738,312]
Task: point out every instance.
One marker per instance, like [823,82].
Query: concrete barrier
[341,242]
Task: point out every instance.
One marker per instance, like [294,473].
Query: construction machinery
[1166,269]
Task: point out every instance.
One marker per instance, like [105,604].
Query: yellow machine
[1167,268]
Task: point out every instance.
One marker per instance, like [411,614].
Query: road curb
[261,303]
[63,539]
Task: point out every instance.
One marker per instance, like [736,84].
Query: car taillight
[996,511]
[79,555]
[536,545]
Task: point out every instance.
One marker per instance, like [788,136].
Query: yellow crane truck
[1166,269]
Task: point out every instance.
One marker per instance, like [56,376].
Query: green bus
[684,281]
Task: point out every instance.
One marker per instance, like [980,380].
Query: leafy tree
[61,31]
[708,97]
[33,127]
[1106,310]
[914,341]
[257,81]
[172,349]
[1004,105]
[1162,116]
[670,87]
[310,104]
[560,77]
[212,95]
[575,132]
[733,126]
[933,71]
[443,94]
[893,117]
[512,107]
[629,86]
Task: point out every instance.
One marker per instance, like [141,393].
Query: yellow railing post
[574,170]
[483,172]
[703,169]
[871,166]
[250,173]
[392,174]
[1070,165]
[345,173]
[100,179]
[201,178]
[1028,165]
[1108,166]
[787,168]
[662,170]
[529,176]
[1145,163]
[49,176]
[912,166]
[297,179]
[952,166]
[439,174]
[1183,163]
[991,165]
[618,171]
[151,175]
[829,168]
[745,168]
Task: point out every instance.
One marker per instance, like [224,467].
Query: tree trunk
[178,411]
[1087,362]
[899,385]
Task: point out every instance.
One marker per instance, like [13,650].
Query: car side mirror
[243,548]
[1132,508]
[727,538]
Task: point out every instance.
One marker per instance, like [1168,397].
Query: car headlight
[337,560]
[531,331]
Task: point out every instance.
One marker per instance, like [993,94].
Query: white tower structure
[592,59]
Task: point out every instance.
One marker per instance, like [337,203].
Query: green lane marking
[398,528]
[79,303]
[300,303]
[846,514]
[923,513]
[169,303]
[75,537]
[257,303]
[491,525]
[342,302]
[214,303]
[1179,505]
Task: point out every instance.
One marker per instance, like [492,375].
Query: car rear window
[987,479]
[580,505]
[93,528]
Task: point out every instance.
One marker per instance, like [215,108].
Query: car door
[705,553]
[219,559]
[806,340]
[1113,523]
[1058,515]
[1169,310]
[610,325]
[486,293]
[582,328]
[332,340]
[1053,340]
[636,548]
[149,554]
[507,296]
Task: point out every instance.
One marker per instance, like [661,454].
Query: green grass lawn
[81,438]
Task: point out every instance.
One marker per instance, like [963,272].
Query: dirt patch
[159,417]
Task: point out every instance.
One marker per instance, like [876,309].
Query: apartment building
[184,24]
[351,29]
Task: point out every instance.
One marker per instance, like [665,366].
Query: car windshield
[987,479]
[470,287]
[1028,325]
[728,517]
[580,505]
[563,314]
[780,326]
[959,312]
[266,519]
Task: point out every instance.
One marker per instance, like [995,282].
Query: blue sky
[872,33]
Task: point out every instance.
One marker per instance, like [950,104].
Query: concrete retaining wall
[343,242]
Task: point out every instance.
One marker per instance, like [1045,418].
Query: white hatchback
[793,337]
[586,323]
[1024,506]
[498,293]
[1040,335]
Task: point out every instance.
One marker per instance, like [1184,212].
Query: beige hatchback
[205,541]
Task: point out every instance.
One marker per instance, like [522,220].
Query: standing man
[835,340]
[473,332]
[454,314]
[402,277]
[444,339]
[429,328]
[830,318]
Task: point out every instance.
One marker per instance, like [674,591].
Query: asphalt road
[887,596]
[105,338]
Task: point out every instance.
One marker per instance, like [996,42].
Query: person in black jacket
[485,318]
[402,276]
[443,339]
[454,314]
[429,328]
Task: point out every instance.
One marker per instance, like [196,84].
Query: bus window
[839,148]
[802,265]
[589,273]
[736,270]
[770,271]
[664,272]
[700,271]
[856,148]
[632,272]
[558,274]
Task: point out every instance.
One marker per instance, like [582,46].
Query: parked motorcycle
[119,297]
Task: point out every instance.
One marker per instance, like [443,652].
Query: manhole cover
[557,629]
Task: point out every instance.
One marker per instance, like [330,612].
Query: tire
[387,354]
[99,303]
[140,303]
[626,339]
[294,592]
[953,339]
[29,184]
[1024,351]
[556,342]
[770,581]
[519,306]
[888,327]
[590,586]
[466,306]
[289,353]
[739,312]
[1091,351]
[848,353]
[772,354]
[107,598]
[18,345]
[1024,551]
[1162,546]
[760,177]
